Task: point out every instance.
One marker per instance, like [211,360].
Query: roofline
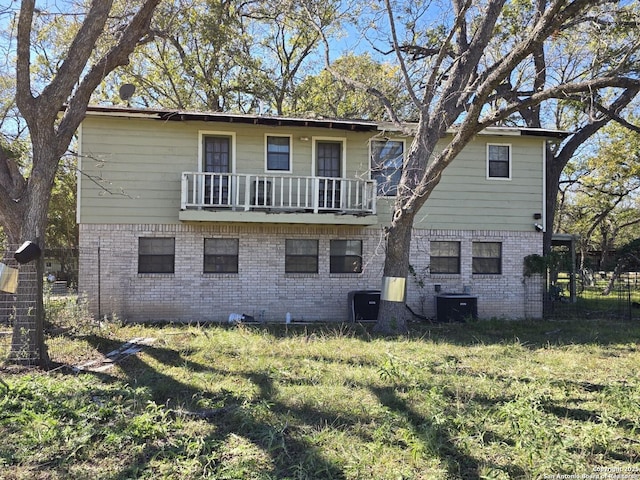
[524,132]
[276,121]
[505,131]
[269,120]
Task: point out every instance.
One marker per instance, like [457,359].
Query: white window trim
[266,145]
[510,161]
[343,160]
[79,175]
[543,200]
[211,133]
[404,156]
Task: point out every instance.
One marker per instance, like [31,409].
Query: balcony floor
[275,216]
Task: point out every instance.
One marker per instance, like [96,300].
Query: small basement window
[220,255]
[301,256]
[445,257]
[156,255]
[487,258]
[346,256]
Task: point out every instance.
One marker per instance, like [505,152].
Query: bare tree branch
[614,115]
[563,91]
[137,28]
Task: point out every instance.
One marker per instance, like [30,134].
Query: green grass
[489,399]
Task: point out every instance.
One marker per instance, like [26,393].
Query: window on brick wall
[301,256]
[346,256]
[156,255]
[445,257]
[220,255]
[487,258]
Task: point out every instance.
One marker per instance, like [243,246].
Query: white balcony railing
[277,193]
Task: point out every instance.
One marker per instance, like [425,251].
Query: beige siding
[466,199]
[138,165]
[131,168]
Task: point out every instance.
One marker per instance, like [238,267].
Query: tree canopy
[600,194]
[487,63]
[52,101]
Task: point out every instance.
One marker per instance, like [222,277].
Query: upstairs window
[387,159]
[487,258]
[156,255]
[445,257]
[301,256]
[346,256]
[499,161]
[220,255]
[278,153]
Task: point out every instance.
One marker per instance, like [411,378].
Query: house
[191,216]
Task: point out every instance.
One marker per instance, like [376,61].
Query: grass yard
[490,399]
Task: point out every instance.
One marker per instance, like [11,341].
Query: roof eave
[268,120]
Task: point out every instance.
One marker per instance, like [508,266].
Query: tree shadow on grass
[289,454]
[285,443]
[436,438]
[622,451]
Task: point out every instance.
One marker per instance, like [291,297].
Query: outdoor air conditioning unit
[456,307]
[363,305]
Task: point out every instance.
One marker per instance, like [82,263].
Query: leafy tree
[628,259]
[226,55]
[602,43]
[601,201]
[199,58]
[287,42]
[482,65]
[62,229]
[52,109]
[325,95]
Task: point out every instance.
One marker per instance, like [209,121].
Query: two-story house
[191,216]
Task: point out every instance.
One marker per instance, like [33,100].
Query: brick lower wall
[110,280]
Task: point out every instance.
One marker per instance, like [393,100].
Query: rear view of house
[190,216]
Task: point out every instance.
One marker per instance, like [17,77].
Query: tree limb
[24,96]
[613,115]
[562,91]
[47,104]
[60,88]
[117,56]
[386,103]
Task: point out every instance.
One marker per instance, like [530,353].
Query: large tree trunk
[27,345]
[617,272]
[392,314]
[24,202]
[554,170]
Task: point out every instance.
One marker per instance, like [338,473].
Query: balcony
[232,197]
